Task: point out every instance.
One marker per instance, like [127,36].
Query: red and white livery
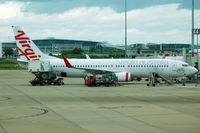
[125,69]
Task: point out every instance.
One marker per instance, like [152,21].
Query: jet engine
[124,76]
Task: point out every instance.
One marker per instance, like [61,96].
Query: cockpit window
[185,65]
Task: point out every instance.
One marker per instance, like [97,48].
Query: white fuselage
[136,67]
[127,68]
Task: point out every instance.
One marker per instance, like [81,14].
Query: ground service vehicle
[43,74]
[39,80]
[103,79]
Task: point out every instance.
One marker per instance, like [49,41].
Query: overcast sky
[155,21]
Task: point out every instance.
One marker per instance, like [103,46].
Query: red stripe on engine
[126,76]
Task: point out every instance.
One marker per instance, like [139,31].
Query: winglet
[66,62]
[87,56]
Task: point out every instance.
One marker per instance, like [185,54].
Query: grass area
[4,61]
[70,56]
[94,53]
[9,65]
[97,56]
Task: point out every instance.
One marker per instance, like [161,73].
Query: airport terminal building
[56,46]
[151,49]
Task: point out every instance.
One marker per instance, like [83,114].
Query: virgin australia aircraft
[125,69]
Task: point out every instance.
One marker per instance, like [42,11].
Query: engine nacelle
[124,76]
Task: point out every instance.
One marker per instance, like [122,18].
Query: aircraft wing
[93,71]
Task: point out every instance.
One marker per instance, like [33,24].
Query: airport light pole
[198,50]
[197,32]
[125,28]
[197,59]
[192,28]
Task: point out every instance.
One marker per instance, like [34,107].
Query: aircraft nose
[196,70]
[193,70]
[190,71]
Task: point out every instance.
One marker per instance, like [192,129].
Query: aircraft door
[174,66]
[47,65]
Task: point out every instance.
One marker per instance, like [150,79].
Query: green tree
[77,51]
[8,51]
[66,52]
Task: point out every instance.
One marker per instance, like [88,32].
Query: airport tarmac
[75,108]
